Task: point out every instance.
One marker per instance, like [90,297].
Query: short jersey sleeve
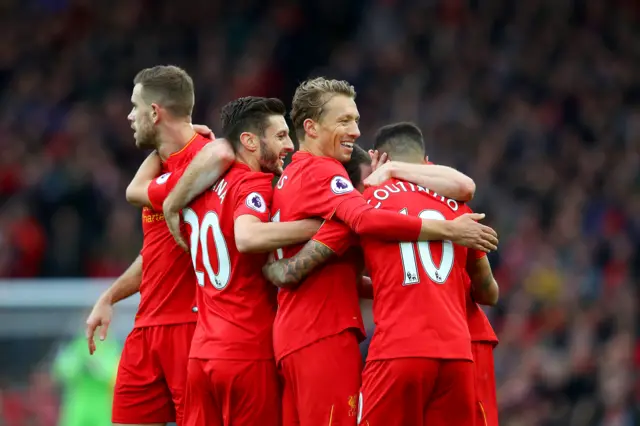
[160,187]
[254,197]
[476,254]
[328,187]
[335,235]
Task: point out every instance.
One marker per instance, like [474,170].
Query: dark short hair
[358,157]
[399,138]
[169,86]
[248,114]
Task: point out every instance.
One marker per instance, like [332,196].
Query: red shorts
[416,391]
[321,382]
[152,375]
[487,410]
[229,392]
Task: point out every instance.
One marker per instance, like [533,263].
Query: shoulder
[255,190]
[330,172]
[251,178]
[315,168]
[169,178]
[463,208]
[321,166]
[183,157]
[164,178]
[331,166]
[197,144]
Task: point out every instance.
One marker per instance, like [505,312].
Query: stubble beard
[269,160]
[147,138]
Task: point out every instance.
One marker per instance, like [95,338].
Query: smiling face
[338,127]
[275,145]
[142,123]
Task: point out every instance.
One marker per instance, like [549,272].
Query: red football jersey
[479,326]
[167,293]
[236,304]
[420,288]
[326,302]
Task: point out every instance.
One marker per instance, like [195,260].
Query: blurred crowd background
[537,100]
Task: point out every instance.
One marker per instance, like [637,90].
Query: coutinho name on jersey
[384,192]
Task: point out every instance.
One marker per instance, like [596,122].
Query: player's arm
[204,170]
[332,238]
[443,180]
[365,220]
[137,191]
[126,285]
[332,194]
[484,287]
[254,236]
[288,273]
[253,231]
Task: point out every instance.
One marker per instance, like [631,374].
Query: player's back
[235,302]
[326,302]
[167,289]
[420,288]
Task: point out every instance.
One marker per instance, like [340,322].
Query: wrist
[311,227]
[106,298]
[393,170]
[448,230]
[169,205]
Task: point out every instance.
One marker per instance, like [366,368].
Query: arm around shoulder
[137,191]
[254,236]
[204,170]
[444,180]
[287,273]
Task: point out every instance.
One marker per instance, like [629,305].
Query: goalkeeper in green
[87,382]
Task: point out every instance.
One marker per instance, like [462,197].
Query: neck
[311,148]
[249,159]
[174,137]
[407,158]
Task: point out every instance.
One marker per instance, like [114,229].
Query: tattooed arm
[287,273]
[484,288]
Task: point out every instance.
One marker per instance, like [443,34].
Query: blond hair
[168,86]
[310,98]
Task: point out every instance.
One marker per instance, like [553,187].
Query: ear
[310,127]
[155,113]
[249,141]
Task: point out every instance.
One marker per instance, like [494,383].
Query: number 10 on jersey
[436,274]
